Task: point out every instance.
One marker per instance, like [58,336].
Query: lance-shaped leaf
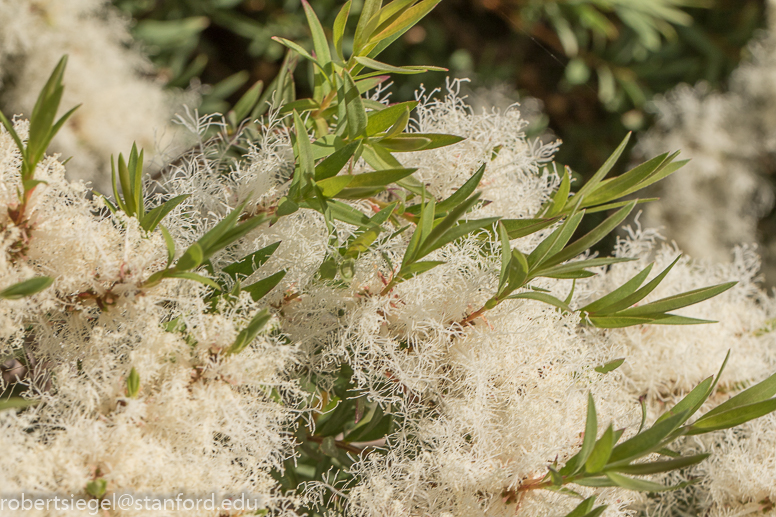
[646,442]
[542,297]
[246,266]
[152,219]
[133,383]
[261,288]
[757,393]
[561,195]
[640,485]
[591,238]
[593,182]
[571,268]
[678,301]
[384,67]
[551,245]
[459,196]
[320,44]
[634,297]
[449,229]
[363,31]
[620,293]
[249,333]
[355,111]
[577,462]
[585,509]
[733,417]
[26,288]
[610,366]
[338,30]
[401,24]
[409,142]
[601,452]
[16,403]
[658,467]
[380,121]
[517,228]
[333,164]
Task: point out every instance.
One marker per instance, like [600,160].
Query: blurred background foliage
[594,64]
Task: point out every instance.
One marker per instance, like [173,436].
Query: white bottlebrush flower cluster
[724,191]
[292,333]
[122,101]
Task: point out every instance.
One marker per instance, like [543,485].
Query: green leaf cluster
[604,462]
[132,203]
[43,127]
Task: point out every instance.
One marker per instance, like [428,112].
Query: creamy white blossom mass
[481,411]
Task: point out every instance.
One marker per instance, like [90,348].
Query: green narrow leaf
[155,216]
[542,297]
[638,295]
[577,462]
[320,43]
[626,289]
[384,67]
[601,452]
[599,175]
[518,228]
[249,333]
[561,195]
[407,142]
[356,114]
[733,417]
[583,508]
[380,178]
[260,289]
[332,186]
[757,393]
[338,30]
[648,441]
[592,238]
[170,243]
[691,402]
[678,301]
[639,485]
[133,383]
[16,403]
[368,11]
[248,101]
[234,233]
[555,241]
[399,26]
[610,366]
[506,256]
[192,258]
[618,187]
[245,267]
[417,268]
[332,165]
[579,265]
[26,288]
[346,213]
[657,467]
[296,48]
[379,121]
[304,148]
[192,276]
[463,193]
